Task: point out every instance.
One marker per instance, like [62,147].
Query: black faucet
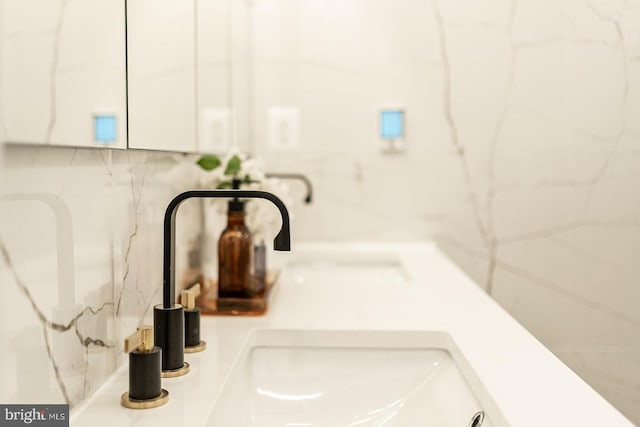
[297,176]
[168,317]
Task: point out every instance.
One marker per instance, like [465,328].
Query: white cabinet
[180,64]
[63,72]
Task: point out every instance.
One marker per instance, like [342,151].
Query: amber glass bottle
[235,249]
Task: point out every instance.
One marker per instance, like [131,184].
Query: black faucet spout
[282,241]
[168,317]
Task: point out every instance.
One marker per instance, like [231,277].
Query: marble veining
[49,326]
[135,196]
[522,164]
[63,348]
[540,189]
[453,129]
[55,56]
[62,63]
[621,46]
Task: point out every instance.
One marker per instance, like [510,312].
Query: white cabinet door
[179,71]
[63,72]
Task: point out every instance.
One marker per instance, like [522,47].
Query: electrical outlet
[283,128]
[215,126]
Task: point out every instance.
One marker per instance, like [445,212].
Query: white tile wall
[81,241]
[523,155]
[522,161]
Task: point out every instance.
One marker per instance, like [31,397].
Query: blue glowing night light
[392,124]
[105,129]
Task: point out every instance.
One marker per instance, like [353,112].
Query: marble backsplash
[81,242]
[523,163]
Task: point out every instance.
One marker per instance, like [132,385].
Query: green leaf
[209,162]
[233,166]
[225,185]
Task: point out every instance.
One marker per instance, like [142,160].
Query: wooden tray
[210,304]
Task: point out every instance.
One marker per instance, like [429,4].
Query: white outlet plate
[215,130]
[283,127]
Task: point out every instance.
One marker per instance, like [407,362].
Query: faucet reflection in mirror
[219,173]
[168,317]
[67,308]
[297,176]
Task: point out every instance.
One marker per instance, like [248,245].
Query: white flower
[262,217]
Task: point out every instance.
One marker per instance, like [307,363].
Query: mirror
[63,73]
[180,60]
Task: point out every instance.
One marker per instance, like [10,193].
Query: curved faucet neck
[282,241]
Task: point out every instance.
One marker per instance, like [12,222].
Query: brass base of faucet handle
[196,348]
[172,373]
[128,402]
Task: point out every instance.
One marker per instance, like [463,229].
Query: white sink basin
[351,378]
[349,267]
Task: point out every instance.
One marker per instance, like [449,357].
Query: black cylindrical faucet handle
[168,332]
[192,341]
[145,381]
[145,366]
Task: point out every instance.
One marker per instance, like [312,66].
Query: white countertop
[529,384]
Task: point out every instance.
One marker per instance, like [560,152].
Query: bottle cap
[236,205]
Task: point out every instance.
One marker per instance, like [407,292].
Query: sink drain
[477,419]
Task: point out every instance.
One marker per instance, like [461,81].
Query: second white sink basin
[348,268]
[351,378]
